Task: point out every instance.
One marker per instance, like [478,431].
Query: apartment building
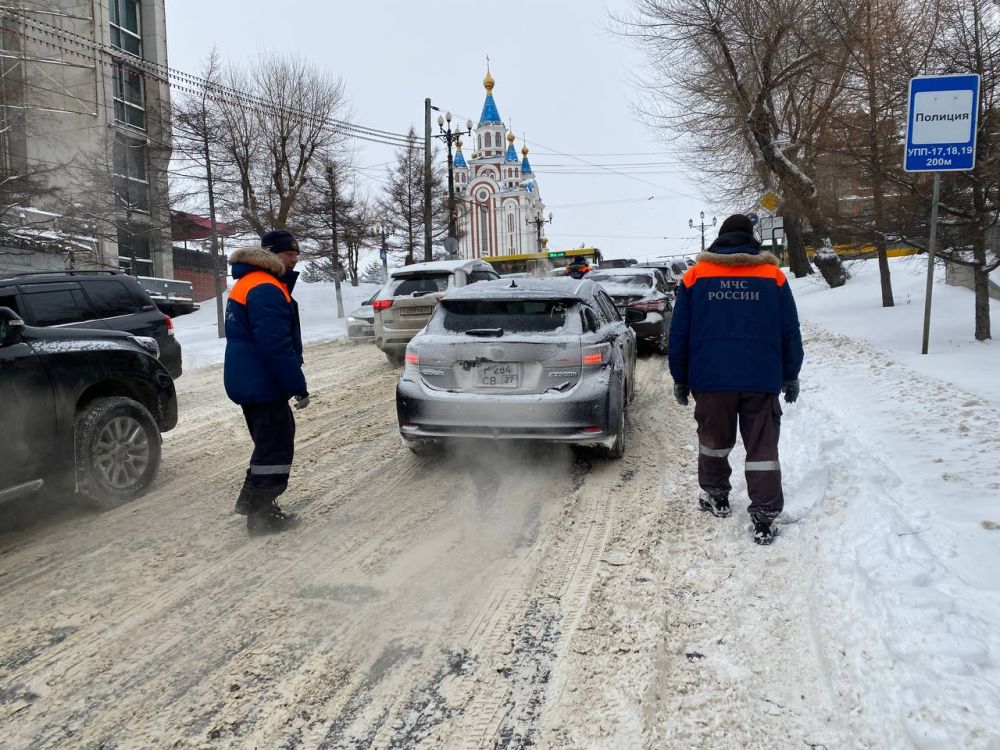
[85,127]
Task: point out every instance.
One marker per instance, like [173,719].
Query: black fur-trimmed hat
[279,241]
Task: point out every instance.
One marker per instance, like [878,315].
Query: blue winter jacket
[735,327]
[263,339]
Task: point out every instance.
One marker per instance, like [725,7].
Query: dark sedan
[530,359]
[644,290]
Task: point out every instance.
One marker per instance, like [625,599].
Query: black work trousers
[272,428]
[758,416]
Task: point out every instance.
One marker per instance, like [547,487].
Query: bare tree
[197,121]
[274,141]
[760,62]
[402,204]
[970,42]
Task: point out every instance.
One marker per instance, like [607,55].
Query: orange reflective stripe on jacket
[247,283]
[706,270]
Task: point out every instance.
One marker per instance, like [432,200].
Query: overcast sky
[561,77]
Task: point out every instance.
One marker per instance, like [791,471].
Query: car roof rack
[58,273]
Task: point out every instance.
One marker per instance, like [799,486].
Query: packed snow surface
[524,596]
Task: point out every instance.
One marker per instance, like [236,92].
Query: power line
[163,75]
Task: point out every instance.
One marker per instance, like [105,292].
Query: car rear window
[428,283]
[528,316]
[635,280]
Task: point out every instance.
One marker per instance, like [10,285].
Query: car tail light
[412,358]
[170,325]
[654,305]
[382,304]
[595,356]
[593,429]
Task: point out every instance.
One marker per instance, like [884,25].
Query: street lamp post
[702,226]
[449,136]
[539,221]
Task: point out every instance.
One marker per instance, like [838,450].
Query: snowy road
[497,598]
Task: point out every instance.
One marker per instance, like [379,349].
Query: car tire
[423,447]
[617,449]
[118,446]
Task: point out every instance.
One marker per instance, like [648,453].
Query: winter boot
[716,503]
[763,531]
[268,518]
[244,503]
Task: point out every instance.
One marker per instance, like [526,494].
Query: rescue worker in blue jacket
[734,345]
[263,370]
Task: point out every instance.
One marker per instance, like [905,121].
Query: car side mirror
[633,316]
[11,326]
[590,320]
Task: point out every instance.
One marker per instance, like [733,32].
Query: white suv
[404,305]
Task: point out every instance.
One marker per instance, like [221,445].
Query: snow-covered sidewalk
[892,471]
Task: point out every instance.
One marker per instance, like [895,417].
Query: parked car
[82,411]
[541,359]
[666,269]
[644,290]
[103,300]
[404,305]
[361,322]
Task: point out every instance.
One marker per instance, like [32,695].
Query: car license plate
[367,330]
[416,310]
[499,375]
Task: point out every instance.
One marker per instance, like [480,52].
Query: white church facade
[498,190]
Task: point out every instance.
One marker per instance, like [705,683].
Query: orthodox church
[498,189]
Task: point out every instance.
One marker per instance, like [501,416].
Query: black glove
[791,390]
[302,401]
[681,393]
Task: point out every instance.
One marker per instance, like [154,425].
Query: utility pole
[428,254]
[220,266]
[384,254]
[703,226]
[331,180]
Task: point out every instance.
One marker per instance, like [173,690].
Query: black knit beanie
[736,223]
[279,241]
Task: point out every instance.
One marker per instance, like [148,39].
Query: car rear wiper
[484,332]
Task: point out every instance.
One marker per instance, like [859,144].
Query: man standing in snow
[263,370]
[734,345]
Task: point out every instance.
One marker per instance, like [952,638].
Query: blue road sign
[382,254]
[941,123]
[754,218]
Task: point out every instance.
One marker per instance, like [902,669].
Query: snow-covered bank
[892,473]
[197,332]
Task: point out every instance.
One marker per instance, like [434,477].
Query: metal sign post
[940,137]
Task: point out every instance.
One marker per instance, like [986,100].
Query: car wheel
[423,447]
[117,447]
[617,449]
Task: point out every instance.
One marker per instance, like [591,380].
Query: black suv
[82,410]
[105,300]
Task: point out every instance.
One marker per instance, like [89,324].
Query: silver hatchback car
[535,359]
[403,306]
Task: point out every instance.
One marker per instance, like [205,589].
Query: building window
[134,254]
[129,99]
[130,182]
[489,140]
[510,221]
[125,32]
